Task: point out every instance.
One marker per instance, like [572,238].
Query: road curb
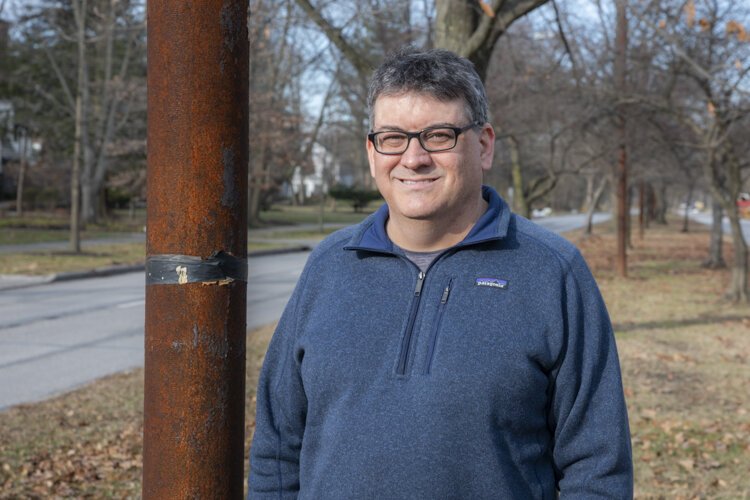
[23,281]
[97,272]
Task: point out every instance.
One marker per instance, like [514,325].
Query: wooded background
[585,94]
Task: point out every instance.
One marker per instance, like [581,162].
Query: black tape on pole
[173,269]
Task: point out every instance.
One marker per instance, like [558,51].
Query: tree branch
[61,79]
[360,62]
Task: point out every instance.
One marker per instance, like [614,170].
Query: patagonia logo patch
[492,283]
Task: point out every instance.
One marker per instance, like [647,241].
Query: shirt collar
[492,225]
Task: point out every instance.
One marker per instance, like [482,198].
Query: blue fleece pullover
[492,375]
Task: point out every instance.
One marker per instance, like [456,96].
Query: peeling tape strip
[173,269]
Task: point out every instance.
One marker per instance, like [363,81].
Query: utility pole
[196,265]
[621,170]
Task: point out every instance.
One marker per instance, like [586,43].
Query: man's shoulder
[338,240]
[539,239]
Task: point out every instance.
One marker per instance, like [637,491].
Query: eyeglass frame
[418,135]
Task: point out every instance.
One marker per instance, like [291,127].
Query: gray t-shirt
[421,259]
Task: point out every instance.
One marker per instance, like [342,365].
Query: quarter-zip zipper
[406,341]
[436,328]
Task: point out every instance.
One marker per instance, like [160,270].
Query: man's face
[437,187]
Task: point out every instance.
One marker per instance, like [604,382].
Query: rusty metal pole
[196,249]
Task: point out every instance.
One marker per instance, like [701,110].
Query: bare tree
[710,63]
[471,28]
[468,27]
[548,110]
[276,118]
[81,69]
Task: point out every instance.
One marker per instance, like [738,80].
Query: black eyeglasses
[432,139]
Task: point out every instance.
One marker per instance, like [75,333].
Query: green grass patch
[301,235]
[263,246]
[14,236]
[36,221]
[117,221]
[283,214]
[93,256]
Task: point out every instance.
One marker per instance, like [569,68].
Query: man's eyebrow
[395,128]
[386,128]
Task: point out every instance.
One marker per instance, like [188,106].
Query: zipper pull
[446,292]
[420,281]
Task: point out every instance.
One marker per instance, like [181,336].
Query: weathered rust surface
[197,203]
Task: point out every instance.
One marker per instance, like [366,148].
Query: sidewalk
[256,235]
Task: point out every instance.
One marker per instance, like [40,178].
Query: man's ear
[487,144]
[370,155]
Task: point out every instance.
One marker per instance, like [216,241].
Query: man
[444,347]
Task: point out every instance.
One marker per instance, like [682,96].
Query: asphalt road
[705,218]
[57,336]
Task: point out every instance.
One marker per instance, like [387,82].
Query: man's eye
[392,139]
[438,136]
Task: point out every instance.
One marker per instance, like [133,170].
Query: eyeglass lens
[436,139]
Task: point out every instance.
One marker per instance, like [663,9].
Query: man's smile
[417,182]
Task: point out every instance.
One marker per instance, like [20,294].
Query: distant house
[327,171]
[12,139]
[8,147]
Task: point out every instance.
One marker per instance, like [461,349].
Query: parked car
[541,212]
[743,205]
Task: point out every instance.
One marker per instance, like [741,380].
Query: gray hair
[438,73]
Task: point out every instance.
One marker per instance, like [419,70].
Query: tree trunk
[621,210]
[455,21]
[21,175]
[641,210]
[80,129]
[738,288]
[105,114]
[715,258]
[253,206]
[255,187]
[629,218]
[597,195]
[321,211]
[686,214]
[590,180]
[520,204]
[660,215]
[88,197]
[75,185]
[650,205]
[472,32]
[621,171]
[88,190]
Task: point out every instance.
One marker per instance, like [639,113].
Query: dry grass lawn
[93,256]
[685,358]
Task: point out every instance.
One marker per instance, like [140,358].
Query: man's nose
[415,155]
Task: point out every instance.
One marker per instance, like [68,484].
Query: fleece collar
[492,225]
